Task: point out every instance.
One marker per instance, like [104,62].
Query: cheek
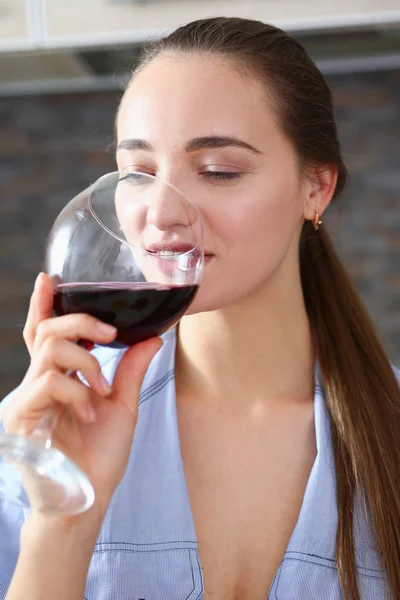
[260,220]
[252,239]
[131,215]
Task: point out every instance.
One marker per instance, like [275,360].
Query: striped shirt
[147,548]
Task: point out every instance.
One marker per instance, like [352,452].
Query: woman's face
[208,130]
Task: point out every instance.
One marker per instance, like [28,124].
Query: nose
[168,209]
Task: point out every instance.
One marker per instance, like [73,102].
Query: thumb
[131,371]
[40,308]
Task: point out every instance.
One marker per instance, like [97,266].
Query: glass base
[32,476]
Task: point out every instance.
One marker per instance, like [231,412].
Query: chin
[195,308]
[213,297]
[199,305]
[204,303]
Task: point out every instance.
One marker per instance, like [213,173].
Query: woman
[266,455]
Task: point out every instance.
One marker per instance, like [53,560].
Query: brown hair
[362,392]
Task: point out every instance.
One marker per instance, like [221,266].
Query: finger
[25,413]
[74,327]
[131,371]
[60,354]
[40,308]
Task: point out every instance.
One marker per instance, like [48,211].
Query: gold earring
[317,222]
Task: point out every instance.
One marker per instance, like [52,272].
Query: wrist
[78,532]
[54,557]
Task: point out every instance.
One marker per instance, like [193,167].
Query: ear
[320,187]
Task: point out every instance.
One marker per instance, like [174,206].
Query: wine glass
[128,251]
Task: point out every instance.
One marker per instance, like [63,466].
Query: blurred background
[63,66]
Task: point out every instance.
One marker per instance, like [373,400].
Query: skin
[137,198]
[244,361]
[251,296]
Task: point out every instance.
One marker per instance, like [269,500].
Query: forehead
[176,98]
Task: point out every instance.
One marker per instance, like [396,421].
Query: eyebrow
[194,145]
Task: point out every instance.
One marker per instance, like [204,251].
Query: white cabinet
[89,21]
[16,25]
[125,18]
[74,23]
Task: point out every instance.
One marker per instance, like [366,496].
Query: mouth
[172,250]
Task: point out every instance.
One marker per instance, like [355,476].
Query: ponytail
[363,401]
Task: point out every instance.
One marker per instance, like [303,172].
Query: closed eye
[138,177]
[222,175]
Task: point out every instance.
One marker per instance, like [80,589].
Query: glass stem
[44,430]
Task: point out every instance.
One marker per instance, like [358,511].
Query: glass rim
[154,177]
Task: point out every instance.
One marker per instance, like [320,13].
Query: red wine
[139,311]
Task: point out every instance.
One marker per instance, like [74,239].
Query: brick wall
[53,146]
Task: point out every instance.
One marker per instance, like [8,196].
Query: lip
[174,246]
[168,264]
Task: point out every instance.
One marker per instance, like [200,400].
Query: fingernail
[91,413]
[106,329]
[104,385]
[38,281]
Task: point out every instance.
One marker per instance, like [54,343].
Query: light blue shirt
[147,548]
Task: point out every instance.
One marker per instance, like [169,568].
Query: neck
[257,350]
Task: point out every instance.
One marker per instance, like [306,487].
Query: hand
[96,425]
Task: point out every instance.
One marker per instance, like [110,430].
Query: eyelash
[222,175]
[216,175]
